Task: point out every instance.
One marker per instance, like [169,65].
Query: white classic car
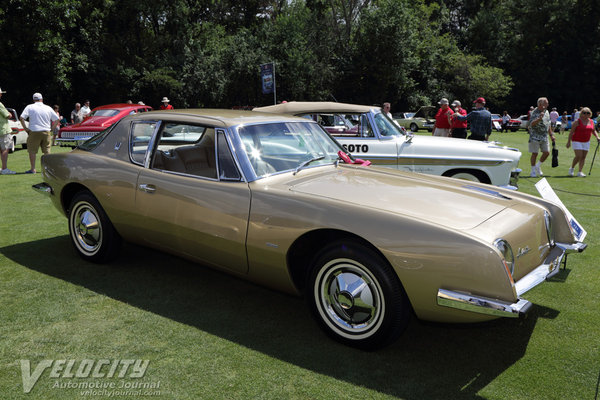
[19,135]
[371,135]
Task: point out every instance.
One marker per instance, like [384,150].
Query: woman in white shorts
[579,138]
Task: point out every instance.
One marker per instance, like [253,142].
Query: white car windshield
[285,146]
[386,126]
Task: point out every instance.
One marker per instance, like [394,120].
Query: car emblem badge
[523,251]
[117,145]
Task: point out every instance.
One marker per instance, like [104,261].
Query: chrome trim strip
[482,305]
[43,188]
[447,161]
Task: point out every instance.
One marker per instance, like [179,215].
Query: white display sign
[545,190]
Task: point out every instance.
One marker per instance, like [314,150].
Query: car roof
[299,107]
[121,106]
[219,117]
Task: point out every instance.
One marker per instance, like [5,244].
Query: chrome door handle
[147,188]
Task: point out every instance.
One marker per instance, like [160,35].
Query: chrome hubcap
[86,228]
[349,297]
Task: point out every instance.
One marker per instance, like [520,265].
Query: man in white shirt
[85,110]
[42,120]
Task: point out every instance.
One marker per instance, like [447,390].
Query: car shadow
[429,361]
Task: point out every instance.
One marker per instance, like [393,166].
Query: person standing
[42,120]
[480,119]
[459,128]
[386,109]
[6,142]
[85,110]
[539,130]
[553,118]
[505,121]
[579,138]
[165,104]
[442,119]
[76,114]
[564,122]
[56,127]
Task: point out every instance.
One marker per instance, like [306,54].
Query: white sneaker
[7,172]
[581,174]
[571,171]
[533,172]
[539,171]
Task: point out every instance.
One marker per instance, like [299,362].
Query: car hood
[442,201]
[426,112]
[449,148]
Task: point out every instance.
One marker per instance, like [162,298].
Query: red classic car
[513,124]
[99,119]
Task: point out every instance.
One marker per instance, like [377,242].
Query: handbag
[554,155]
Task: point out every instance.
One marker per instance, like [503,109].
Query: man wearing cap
[539,130]
[42,120]
[459,128]
[480,119]
[6,142]
[442,119]
[165,104]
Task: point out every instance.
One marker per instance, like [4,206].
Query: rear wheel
[92,234]
[356,297]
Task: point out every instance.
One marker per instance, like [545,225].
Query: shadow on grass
[430,361]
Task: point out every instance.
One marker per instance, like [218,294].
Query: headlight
[506,251]
[549,231]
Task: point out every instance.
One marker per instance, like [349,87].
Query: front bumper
[484,305]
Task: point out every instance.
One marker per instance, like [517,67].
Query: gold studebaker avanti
[275,200]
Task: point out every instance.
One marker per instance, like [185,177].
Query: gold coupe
[274,199]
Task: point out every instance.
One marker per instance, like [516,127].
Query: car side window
[141,133]
[186,149]
[364,127]
[228,171]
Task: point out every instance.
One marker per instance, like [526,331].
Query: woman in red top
[581,132]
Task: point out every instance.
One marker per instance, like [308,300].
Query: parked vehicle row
[276,200]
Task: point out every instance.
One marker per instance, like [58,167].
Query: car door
[192,198]
[370,142]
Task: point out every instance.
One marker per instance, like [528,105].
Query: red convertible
[99,119]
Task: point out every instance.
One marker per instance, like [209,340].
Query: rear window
[104,113]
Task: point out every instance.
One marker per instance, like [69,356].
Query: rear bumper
[484,305]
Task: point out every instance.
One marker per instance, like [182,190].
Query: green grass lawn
[210,336]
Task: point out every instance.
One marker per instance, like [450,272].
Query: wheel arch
[479,174]
[68,193]
[302,252]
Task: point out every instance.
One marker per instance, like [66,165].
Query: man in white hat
[165,104]
[6,142]
[42,120]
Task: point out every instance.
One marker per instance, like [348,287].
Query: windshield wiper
[305,163]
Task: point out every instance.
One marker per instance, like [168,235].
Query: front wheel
[92,234]
[356,297]
[467,176]
[414,127]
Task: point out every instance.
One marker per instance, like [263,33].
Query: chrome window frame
[151,142]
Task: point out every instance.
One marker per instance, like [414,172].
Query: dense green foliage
[207,53]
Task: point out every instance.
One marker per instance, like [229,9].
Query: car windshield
[386,126]
[104,113]
[285,146]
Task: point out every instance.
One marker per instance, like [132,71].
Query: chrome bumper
[43,188]
[483,305]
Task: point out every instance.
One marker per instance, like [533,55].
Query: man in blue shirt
[480,120]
